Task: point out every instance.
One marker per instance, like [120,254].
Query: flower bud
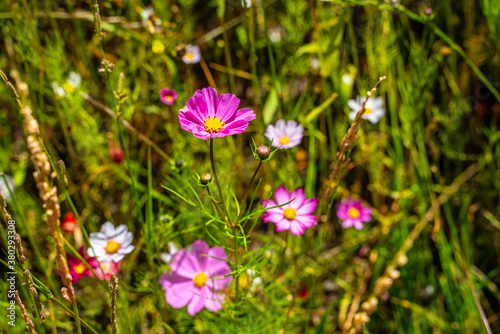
[179,163]
[263,151]
[116,155]
[205,178]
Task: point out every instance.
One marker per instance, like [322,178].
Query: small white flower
[72,83]
[374,108]
[192,55]
[111,243]
[277,34]
[256,281]
[248,3]
[74,79]
[285,134]
[58,89]
[167,256]
[146,13]
[315,63]
[3,187]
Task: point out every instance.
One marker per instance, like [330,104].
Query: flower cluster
[108,248]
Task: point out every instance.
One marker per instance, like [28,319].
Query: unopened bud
[205,178]
[263,151]
[116,155]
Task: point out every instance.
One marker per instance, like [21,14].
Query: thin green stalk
[236,283]
[214,172]
[243,201]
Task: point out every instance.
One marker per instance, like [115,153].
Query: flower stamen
[200,280]
[284,140]
[368,111]
[80,268]
[112,247]
[213,124]
[289,213]
[353,213]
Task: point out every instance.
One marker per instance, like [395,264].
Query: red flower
[69,222]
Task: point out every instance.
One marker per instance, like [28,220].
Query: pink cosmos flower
[210,116]
[285,134]
[168,96]
[78,270]
[76,267]
[353,213]
[197,278]
[295,216]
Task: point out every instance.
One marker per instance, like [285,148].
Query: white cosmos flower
[192,55]
[111,243]
[167,256]
[374,108]
[285,134]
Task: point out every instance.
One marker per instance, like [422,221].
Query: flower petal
[180,294]
[184,264]
[227,105]
[308,207]
[196,304]
[281,195]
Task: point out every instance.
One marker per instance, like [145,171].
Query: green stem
[247,190]
[236,283]
[212,162]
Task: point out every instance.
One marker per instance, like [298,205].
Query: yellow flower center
[353,213]
[200,280]
[112,247]
[80,268]
[368,111]
[243,282]
[68,88]
[284,140]
[289,213]
[189,56]
[169,98]
[213,124]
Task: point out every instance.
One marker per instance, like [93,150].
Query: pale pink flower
[295,216]
[197,278]
[285,134]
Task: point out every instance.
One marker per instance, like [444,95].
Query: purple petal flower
[197,279]
[168,96]
[296,216]
[353,213]
[285,134]
[192,55]
[210,116]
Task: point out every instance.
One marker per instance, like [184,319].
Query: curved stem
[212,163]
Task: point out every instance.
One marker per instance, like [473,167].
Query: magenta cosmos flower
[295,216]
[168,96]
[353,213]
[210,116]
[197,278]
[78,270]
[285,134]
